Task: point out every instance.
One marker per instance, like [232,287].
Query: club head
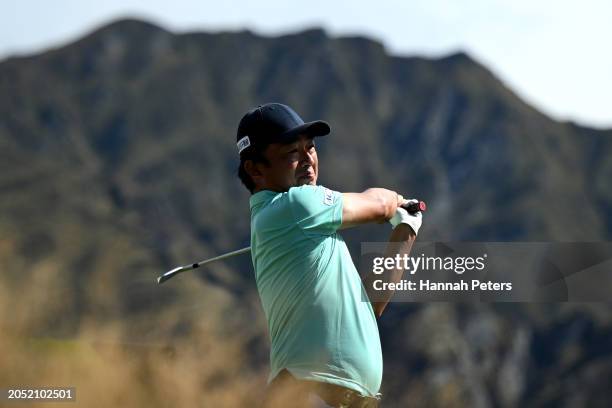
[170,274]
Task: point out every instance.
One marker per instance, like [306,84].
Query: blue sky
[554,54]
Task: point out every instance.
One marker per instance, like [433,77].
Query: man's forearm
[400,243]
[373,205]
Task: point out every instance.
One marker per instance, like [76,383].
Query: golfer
[325,346]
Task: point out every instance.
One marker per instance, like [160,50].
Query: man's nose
[307,157]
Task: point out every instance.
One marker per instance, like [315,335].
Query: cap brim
[314,129]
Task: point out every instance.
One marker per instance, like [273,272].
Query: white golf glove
[404,217]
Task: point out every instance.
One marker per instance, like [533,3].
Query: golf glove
[404,217]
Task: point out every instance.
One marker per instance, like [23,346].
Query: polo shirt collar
[261,197]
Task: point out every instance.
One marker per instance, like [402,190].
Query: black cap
[275,123]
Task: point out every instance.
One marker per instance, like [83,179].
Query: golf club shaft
[411,208]
[185,268]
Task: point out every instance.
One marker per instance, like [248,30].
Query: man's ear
[252,169]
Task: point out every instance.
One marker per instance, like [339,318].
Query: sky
[556,55]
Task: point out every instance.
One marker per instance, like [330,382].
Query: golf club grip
[415,207]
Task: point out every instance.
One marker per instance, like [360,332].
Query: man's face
[290,165]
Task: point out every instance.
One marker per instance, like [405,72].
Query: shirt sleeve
[316,209]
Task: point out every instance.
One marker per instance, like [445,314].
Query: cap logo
[243,144]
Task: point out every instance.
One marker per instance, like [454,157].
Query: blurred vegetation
[118,162]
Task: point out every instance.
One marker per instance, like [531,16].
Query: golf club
[411,208]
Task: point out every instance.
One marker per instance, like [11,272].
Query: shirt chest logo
[328,198]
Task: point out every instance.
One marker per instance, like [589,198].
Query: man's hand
[404,217]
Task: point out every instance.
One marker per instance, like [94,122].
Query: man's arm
[380,205]
[373,205]
[400,242]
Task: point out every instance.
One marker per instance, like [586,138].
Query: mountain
[118,162]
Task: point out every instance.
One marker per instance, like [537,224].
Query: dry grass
[202,367]
[117,374]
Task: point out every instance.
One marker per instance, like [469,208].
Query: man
[325,346]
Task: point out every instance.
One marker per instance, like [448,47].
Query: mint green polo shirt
[320,327]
